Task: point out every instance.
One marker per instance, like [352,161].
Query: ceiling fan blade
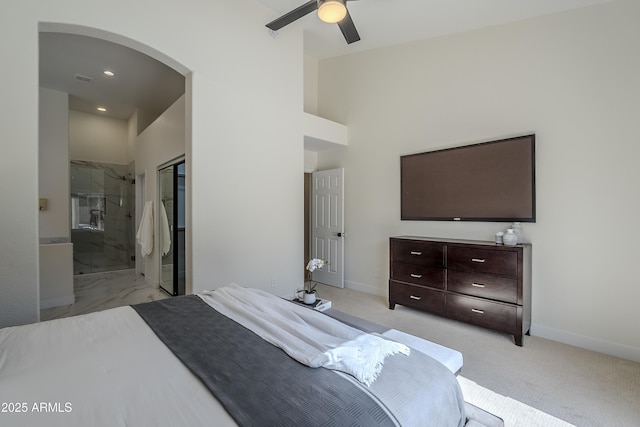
[294,15]
[348,29]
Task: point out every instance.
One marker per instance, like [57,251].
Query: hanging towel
[166,233]
[144,236]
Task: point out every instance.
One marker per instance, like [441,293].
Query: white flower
[315,264]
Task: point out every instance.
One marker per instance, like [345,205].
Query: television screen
[490,181]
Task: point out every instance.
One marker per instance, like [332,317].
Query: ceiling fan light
[332,11]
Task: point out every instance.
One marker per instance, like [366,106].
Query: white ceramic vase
[510,238]
[518,231]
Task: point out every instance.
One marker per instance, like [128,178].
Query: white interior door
[327,229]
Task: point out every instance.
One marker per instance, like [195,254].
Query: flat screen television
[490,181]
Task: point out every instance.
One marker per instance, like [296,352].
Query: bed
[229,357]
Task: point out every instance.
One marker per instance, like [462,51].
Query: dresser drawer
[487,261]
[415,252]
[417,297]
[483,285]
[494,315]
[418,274]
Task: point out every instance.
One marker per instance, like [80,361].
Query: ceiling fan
[330,11]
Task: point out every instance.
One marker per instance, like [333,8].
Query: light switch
[43,204]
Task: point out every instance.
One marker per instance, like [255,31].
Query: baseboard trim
[149,281]
[559,335]
[57,302]
[367,289]
[589,343]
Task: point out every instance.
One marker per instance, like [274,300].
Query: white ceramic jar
[510,238]
[518,231]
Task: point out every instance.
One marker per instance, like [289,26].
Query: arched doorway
[114,199]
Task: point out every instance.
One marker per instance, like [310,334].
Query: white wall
[310,161]
[56,260]
[56,275]
[246,154]
[95,138]
[572,79]
[247,199]
[53,177]
[310,85]
[159,143]
[132,135]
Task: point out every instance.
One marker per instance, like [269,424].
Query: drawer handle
[478,259]
[416,253]
[415,297]
[477,285]
[475,310]
[416,276]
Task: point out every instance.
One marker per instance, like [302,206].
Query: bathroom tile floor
[100,291]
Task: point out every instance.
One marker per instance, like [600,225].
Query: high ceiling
[389,22]
[143,83]
[140,82]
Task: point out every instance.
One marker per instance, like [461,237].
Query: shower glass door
[172,232]
[102,212]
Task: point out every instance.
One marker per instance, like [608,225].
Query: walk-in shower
[102,217]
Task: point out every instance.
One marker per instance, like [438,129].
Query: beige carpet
[514,413]
[582,387]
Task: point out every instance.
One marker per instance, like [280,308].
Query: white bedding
[101,369]
[450,358]
[109,367]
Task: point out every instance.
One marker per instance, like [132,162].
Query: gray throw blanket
[306,335]
[257,383]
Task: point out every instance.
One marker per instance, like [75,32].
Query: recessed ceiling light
[104,110]
[109,73]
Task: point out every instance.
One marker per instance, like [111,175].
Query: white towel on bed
[308,336]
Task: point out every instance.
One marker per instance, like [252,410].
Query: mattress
[109,368]
[100,369]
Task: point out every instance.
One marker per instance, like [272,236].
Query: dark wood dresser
[477,282]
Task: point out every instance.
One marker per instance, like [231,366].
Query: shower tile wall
[102,216]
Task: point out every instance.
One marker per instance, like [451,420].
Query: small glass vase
[510,238]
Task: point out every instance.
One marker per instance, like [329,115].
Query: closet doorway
[171,227]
